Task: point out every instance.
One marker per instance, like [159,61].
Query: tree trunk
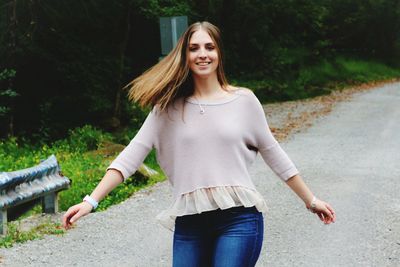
[13,48]
[122,48]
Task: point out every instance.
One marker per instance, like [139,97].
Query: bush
[78,162]
[319,79]
[87,138]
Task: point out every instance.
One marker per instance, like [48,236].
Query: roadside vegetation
[320,79]
[61,88]
[83,156]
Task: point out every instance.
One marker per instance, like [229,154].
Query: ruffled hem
[212,198]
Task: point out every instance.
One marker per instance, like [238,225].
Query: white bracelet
[91,201]
[312,204]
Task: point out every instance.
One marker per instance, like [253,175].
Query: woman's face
[202,55]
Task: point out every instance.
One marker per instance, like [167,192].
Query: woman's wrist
[311,205]
[91,201]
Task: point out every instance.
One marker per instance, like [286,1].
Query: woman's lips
[203,63]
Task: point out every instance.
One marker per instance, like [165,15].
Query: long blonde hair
[170,78]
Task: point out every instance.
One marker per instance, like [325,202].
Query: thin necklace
[202,111]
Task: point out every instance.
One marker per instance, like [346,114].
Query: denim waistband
[238,209]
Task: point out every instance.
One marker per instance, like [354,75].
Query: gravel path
[349,157]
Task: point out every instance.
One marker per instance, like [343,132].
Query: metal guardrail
[43,181]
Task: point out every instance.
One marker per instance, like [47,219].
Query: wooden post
[50,203]
[3,222]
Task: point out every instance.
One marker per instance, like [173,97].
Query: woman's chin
[203,74]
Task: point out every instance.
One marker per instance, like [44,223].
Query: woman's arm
[262,138]
[111,179]
[126,164]
[324,211]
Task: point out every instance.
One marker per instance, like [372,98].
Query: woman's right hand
[74,213]
[324,211]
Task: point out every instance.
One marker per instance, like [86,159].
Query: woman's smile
[202,55]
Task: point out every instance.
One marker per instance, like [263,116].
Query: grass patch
[320,79]
[79,162]
[84,168]
[16,235]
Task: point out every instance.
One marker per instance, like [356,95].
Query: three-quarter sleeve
[270,150]
[130,159]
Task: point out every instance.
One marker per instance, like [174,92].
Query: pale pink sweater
[213,149]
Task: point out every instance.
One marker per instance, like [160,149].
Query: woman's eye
[195,48]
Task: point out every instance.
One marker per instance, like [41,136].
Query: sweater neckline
[214,102]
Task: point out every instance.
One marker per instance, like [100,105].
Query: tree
[7,95]
[7,76]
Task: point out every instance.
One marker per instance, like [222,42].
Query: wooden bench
[39,183]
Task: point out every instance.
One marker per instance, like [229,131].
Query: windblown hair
[171,78]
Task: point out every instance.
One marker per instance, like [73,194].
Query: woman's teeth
[203,63]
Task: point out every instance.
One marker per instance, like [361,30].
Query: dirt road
[351,158]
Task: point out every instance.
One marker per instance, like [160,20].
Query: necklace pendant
[201,108]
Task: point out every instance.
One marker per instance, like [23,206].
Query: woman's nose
[202,53]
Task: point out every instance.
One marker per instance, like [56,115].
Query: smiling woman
[203,56]
[196,59]
[206,134]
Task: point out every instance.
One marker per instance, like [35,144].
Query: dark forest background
[63,63]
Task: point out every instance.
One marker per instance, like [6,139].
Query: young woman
[207,134]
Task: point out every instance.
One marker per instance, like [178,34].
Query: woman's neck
[207,89]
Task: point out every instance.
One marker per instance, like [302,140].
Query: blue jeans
[225,238]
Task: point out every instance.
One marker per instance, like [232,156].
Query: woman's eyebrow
[196,44]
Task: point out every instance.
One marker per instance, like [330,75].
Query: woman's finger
[67,216]
[320,216]
[76,217]
[333,214]
[329,213]
[329,216]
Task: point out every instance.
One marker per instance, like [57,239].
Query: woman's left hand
[324,211]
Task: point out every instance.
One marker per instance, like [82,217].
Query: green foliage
[159,8]
[320,79]
[6,92]
[16,235]
[87,138]
[86,170]
[347,71]
[79,161]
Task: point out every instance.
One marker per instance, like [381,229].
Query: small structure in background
[171,28]
[20,190]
